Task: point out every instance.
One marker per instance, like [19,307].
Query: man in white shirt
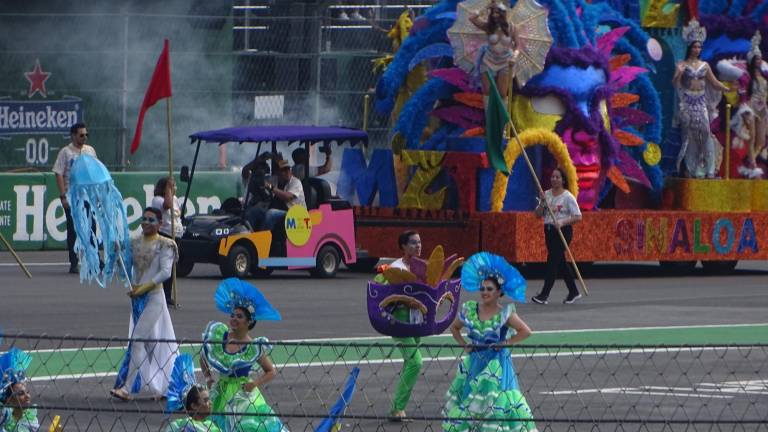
[62,168]
[289,191]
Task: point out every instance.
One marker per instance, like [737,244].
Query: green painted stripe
[55,363]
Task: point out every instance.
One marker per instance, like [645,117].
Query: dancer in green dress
[486,387]
[230,351]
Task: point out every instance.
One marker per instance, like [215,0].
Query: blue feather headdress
[483,265]
[181,382]
[100,221]
[234,292]
[13,369]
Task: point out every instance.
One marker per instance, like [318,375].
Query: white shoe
[356,16]
[570,300]
[343,15]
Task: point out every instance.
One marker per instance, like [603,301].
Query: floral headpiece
[13,369]
[234,292]
[755,50]
[694,32]
[483,265]
[181,382]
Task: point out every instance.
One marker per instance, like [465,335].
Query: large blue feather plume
[13,368]
[429,52]
[483,265]
[181,382]
[234,292]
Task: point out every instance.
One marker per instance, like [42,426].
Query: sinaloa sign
[31,215]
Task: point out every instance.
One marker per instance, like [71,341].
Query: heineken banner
[32,218]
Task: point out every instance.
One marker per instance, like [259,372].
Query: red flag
[159,88]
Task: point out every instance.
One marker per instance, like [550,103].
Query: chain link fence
[569,387]
[232,63]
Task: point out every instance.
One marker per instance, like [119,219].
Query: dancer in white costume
[147,366]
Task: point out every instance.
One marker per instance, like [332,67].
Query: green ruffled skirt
[485,401]
[227,396]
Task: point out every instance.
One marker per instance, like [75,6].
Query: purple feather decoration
[462,116]
[455,76]
[630,117]
[632,170]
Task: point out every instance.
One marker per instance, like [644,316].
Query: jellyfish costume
[100,222]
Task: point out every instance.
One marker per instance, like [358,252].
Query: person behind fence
[148,365]
[485,387]
[184,394]
[62,168]
[301,168]
[231,352]
[410,243]
[567,213]
[166,201]
[16,412]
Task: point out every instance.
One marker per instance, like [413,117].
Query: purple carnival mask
[414,296]
[406,303]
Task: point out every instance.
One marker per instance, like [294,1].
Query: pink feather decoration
[455,76]
[462,116]
[630,117]
[607,41]
[624,75]
[632,170]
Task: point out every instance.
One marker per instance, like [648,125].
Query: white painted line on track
[332,363]
[387,338]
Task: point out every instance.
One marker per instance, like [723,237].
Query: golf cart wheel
[237,263]
[184,267]
[328,261]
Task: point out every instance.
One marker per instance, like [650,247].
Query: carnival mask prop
[422,291]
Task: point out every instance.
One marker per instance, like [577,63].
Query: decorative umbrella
[530,21]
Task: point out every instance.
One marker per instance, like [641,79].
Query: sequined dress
[696,112]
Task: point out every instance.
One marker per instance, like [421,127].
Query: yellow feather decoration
[531,137]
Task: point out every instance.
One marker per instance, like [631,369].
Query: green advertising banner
[32,218]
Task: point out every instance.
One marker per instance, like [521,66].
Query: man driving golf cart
[286,191]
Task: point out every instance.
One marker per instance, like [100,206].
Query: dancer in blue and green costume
[16,414]
[486,387]
[184,394]
[232,353]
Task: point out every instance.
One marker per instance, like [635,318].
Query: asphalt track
[569,388]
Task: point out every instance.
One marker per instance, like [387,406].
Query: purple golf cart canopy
[259,134]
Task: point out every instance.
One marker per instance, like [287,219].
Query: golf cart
[318,237]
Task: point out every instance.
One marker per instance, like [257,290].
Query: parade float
[592,92]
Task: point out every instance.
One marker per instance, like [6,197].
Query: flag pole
[173,200]
[15,256]
[512,131]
